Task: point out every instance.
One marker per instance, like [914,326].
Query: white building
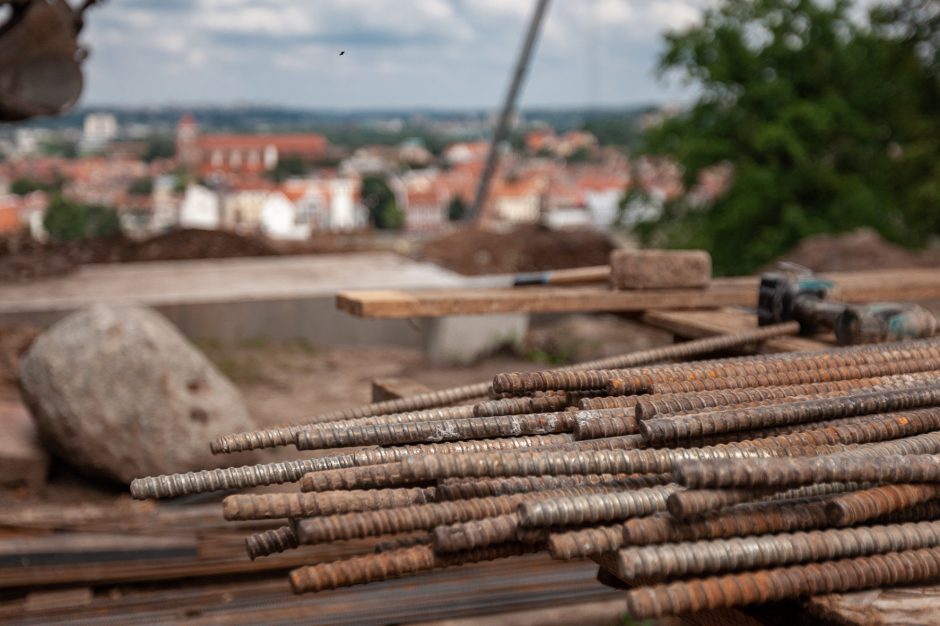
[280,218]
[98,130]
[200,208]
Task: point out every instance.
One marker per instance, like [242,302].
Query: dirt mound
[24,259]
[863,249]
[177,245]
[524,249]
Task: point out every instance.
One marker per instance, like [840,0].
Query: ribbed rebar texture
[393,564]
[270,542]
[684,504]
[678,429]
[462,488]
[725,555]
[525,404]
[284,435]
[278,505]
[437,431]
[580,543]
[599,507]
[850,508]
[790,377]
[790,582]
[564,462]
[540,381]
[172,485]
[786,472]
[422,517]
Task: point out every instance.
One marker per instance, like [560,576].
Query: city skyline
[430,54]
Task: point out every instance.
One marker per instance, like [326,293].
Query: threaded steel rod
[437,431]
[270,542]
[393,564]
[589,541]
[786,472]
[280,505]
[788,582]
[677,429]
[725,555]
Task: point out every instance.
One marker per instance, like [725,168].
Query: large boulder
[120,393]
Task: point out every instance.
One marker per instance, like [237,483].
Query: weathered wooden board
[904,285]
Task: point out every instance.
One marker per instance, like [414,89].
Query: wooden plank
[699,323]
[869,286]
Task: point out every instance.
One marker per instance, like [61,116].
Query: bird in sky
[342,53]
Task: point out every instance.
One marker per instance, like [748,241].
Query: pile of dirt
[23,259]
[863,249]
[473,251]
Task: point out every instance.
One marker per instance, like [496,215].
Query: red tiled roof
[288,144]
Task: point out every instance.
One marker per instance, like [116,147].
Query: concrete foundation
[279,298]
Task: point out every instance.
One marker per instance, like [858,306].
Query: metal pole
[522,64]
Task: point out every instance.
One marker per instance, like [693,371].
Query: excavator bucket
[40,59]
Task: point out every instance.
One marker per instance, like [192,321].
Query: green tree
[66,220]
[456,209]
[141,187]
[288,167]
[158,147]
[24,185]
[378,198]
[829,122]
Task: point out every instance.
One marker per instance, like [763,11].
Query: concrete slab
[282,298]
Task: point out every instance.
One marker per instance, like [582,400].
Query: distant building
[424,200]
[243,152]
[98,130]
[200,208]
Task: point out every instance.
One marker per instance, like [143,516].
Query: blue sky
[399,53]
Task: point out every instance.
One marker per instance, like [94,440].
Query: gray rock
[120,393]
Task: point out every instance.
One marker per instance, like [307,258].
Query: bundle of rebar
[700,484]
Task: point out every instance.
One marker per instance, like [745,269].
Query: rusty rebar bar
[436,431]
[677,429]
[793,471]
[424,517]
[586,542]
[600,423]
[788,582]
[393,564]
[664,405]
[284,435]
[291,471]
[725,555]
[281,505]
[479,533]
[520,405]
[540,381]
[575,510]
[270,542]
[689,503]
[757,518]
[463,488]
[537,463]
[850,508]
[641,380]
[789,377]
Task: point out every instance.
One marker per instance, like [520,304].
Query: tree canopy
[66,220]
[828,118]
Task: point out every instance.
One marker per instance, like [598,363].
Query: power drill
[795,293]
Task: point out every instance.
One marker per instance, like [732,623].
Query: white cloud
[444,53]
